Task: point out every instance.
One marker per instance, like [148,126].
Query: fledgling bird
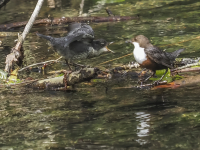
[78,44]
[151,57]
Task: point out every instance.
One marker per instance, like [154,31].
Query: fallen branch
[64,20]
[16,51]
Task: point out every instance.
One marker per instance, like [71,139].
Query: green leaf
[177,77]
[159,74]
[167,77]
[114,1]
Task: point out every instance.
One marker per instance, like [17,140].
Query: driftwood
[64,20]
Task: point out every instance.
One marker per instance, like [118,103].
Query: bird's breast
[139,55]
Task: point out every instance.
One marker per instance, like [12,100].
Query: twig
[115,59]
[15,53]
[187,70]
[41,63]
[109,12]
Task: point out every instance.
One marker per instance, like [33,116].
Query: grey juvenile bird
[78,44]
[151,57]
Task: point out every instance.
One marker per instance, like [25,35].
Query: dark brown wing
[159,56]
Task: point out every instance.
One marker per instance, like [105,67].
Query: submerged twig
[41,63]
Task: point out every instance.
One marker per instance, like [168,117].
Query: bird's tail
[49,38]
[174,54]
[177,52]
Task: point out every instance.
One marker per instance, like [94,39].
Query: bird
[151,57]
[78,44]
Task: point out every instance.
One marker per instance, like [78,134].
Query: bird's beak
[109,50]
[110,43]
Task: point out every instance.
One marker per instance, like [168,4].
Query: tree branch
[16,53]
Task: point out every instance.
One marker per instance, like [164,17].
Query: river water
[104,115]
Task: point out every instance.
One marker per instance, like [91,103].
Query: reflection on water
[143,126]
[103,115]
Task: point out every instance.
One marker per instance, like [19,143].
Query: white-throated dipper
[78,44]
[151,57]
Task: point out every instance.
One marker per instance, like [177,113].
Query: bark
[64,20]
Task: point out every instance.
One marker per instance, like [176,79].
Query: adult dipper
[151,57]
[78,44]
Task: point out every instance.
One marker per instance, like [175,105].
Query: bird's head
[141,40]
[100,45]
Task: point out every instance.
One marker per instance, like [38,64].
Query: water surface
[110,115]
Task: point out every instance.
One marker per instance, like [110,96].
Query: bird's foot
[149,86]
[141,81]
[65,80]
[159,82]
[77,66]
[155,83]
[66,74]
